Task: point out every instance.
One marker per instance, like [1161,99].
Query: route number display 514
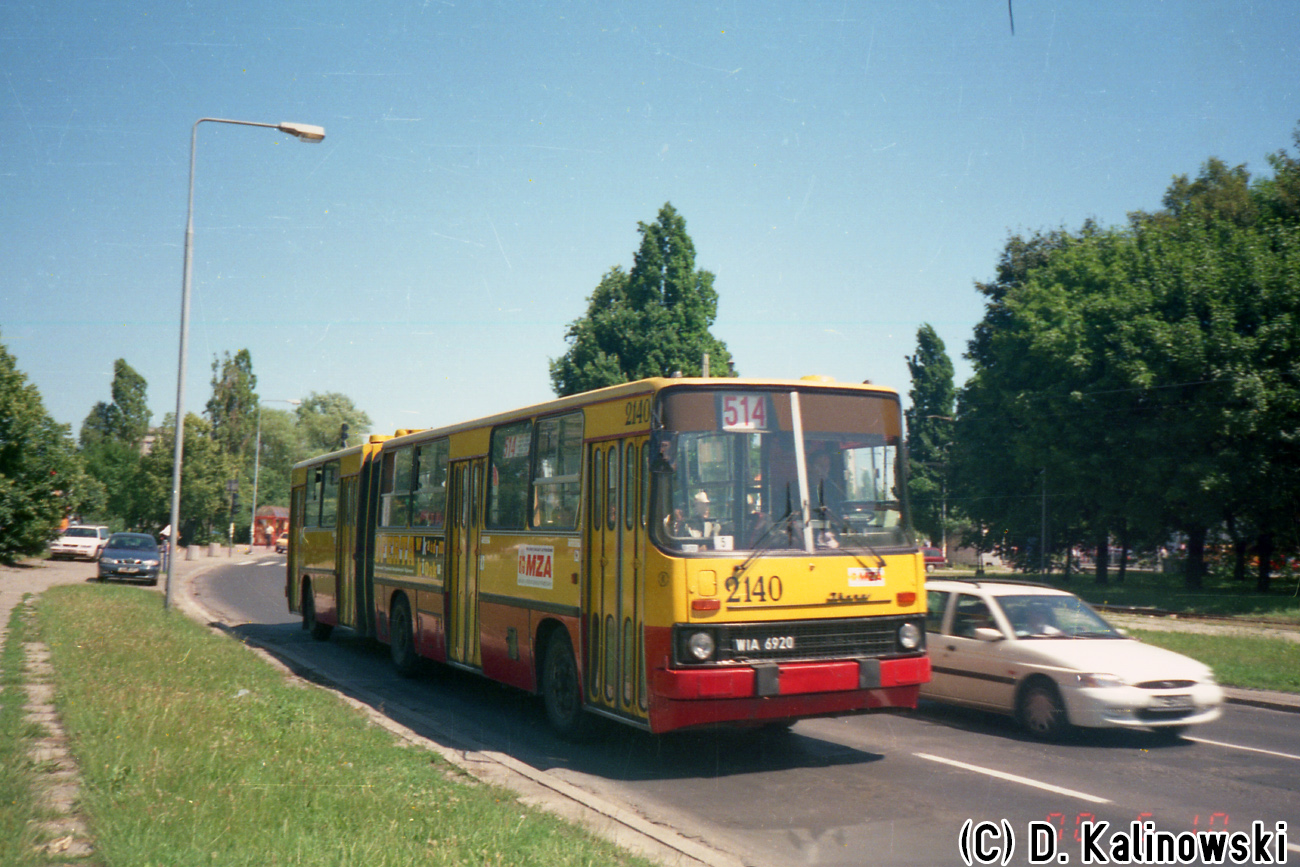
[744,412]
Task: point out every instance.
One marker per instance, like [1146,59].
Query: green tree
[232,409]
[111,438]
[205,470]
[651,321]
[1145,376]
[997,472]
[325,420]
[281,449]
[929,431]
[41,476]
[126,418]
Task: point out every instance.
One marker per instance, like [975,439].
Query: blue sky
[846,169]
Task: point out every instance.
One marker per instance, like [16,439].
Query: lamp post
[257,460]
[302,131]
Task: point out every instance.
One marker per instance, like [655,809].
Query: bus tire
[562,689]
[319,631]
[401,637]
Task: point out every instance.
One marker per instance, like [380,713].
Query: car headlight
[909,636]
[108,561]
[1100,681]
[700,646]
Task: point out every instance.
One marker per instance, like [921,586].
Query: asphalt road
[879,789]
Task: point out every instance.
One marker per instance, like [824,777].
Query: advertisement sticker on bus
[867,576]
[536,566]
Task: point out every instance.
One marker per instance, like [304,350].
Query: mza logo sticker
[536,566]
[867,576]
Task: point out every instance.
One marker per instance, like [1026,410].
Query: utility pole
[1042,541]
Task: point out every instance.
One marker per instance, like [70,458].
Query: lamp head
[303,131]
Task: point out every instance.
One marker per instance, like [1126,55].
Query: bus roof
[625,390]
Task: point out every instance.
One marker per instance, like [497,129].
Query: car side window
[936,602]
[971,614]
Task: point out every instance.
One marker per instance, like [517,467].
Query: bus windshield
[772,470]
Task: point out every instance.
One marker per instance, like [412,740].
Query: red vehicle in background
[934,559]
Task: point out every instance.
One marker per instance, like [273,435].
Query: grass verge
[194,751]
[17,800]
[1243,661]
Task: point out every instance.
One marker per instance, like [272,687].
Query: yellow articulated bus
[669,553]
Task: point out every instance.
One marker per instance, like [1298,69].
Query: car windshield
[132,543]
[80,532]
[1039,616]
[769,470]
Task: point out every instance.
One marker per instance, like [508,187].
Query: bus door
[347,551]
[465,507]
[632,692]
[614,576]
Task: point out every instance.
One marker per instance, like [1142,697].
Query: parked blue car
[130,557]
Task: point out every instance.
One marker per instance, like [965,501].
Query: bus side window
[509,477]
[557,472]
[429,500]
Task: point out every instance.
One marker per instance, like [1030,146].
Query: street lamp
[302,131]
[257,459]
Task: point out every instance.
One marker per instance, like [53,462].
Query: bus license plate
[769,644]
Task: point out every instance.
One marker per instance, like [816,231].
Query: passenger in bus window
[676,524]
[701,524]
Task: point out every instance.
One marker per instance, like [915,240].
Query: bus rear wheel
[401,637]
[562,690]
[319,631]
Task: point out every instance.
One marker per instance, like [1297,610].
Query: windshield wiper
[760,545]
[865,546]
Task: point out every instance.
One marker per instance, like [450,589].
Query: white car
[79,542]
[1045,657]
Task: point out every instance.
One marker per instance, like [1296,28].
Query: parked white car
[79,542]
[1045,657]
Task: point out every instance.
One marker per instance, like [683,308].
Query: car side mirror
[987,633]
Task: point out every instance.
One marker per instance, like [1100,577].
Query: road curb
[1279,701]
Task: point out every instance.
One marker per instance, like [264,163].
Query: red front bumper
[699,697]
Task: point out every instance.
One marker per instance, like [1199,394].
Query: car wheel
[929,567]
[1041,711]
[319,631]
[401,637]
[562,690]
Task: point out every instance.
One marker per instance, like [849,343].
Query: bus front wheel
[562,691]
[401,637]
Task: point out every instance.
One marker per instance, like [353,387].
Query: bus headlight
[700,646]
[909,636]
